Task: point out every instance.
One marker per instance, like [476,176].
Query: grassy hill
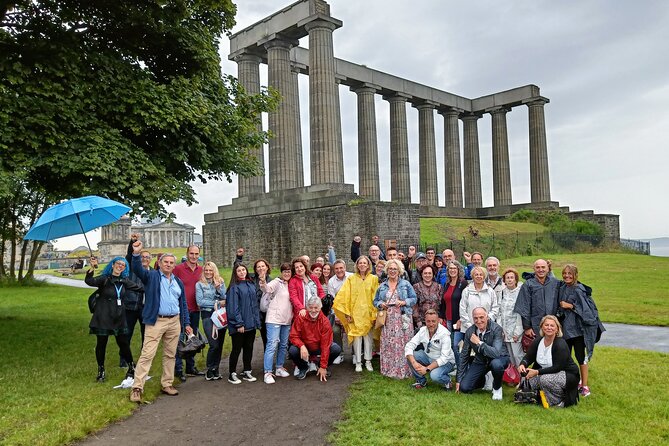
[441,230]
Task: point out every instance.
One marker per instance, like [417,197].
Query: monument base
[280,225]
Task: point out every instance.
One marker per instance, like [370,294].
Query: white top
[439,345]
[544,355]
[334,284]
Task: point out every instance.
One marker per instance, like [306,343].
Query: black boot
[101,374]
[131,370]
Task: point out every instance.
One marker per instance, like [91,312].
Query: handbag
[525,394]
[264,302]
[190,345]
[525,342]
[219,318]
[380,319]
[511,375]
[327,301]
[93,300]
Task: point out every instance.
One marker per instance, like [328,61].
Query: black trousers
[123,343]
[242,342]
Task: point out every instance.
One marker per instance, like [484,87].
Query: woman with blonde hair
[353,306]
[210,291]
[553,370]
[397,297]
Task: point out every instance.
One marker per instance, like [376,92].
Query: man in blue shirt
[165,314]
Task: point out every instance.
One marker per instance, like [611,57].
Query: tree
[123,99]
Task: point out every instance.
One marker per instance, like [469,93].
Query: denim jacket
[405,292]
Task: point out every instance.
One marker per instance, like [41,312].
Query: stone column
[472,164]
[501,170]
[400,180]
[368,154]
[452,169]
[283,154]
[540,188]
[427,155]
[299,159]
[248,72]
[327,160]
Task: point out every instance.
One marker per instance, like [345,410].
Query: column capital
[278,41]
[450,111]
[365,88]
[536,101]
[498,110]
[320,21]
[247,57]
[470,116]
[397,97]
[425,105]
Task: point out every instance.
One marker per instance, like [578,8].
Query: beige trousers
[167,330]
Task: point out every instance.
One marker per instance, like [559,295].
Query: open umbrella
[76,216]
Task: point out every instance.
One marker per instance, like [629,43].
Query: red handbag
[511,375]
[525,342]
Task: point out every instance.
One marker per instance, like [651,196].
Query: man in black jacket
[483,350]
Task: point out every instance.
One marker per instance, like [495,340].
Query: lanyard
[118,294]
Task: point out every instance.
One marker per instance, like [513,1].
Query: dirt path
[289,412]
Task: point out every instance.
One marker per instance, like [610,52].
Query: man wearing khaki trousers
[165,313]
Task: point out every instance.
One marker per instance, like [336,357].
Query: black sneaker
[210,376]
[328,372]
[232,379]
[181,377]
[419,386]
[194,372]
[246,376]
[302,374]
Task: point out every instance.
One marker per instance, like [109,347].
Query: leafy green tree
[123,99]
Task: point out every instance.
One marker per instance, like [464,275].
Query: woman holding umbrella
[109,312]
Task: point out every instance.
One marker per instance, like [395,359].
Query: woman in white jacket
[511,323]
[279,317]
[477,294]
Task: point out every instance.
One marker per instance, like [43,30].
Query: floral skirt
[395,334]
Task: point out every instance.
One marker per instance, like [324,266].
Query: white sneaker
[269,379]
[281,372]
[312,367]
[358,367]
[488,382]
[339,359]
[368,365]
[296,371]
[497,394]
[232,379]
[246,376]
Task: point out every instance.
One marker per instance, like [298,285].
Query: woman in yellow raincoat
[353,306]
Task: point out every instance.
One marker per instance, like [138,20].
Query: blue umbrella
[76,216]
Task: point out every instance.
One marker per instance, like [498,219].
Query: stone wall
[279,237]
[610,222]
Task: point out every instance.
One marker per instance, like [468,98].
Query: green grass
[628,288]
[441,230]
[628,406]
[48,369]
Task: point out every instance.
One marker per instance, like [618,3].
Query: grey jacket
[536,301]
[583,319]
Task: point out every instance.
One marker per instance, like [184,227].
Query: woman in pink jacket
[278,319]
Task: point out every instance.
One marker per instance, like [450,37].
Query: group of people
[424,314]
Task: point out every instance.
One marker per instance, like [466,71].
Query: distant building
[153,233]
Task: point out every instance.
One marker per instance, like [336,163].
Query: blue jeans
[190,361]
[215,345]
[475,375]
[277,335]
[456,337]
[439,375]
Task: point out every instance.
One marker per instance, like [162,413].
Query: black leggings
[123,342]
[242,341]
[577,344]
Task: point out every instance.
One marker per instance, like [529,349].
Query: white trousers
[357,347]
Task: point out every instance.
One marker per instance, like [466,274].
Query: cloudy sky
[603,65]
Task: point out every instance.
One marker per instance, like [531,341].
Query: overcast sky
[603,65]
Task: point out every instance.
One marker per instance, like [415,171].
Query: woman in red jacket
[302,286]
